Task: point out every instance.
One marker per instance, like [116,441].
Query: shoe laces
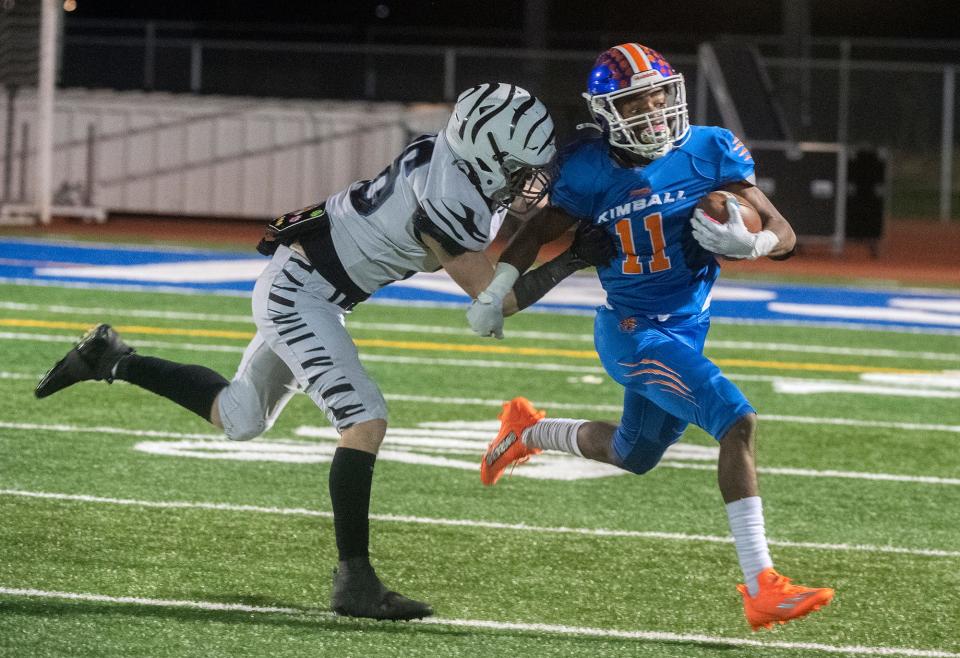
[783,584]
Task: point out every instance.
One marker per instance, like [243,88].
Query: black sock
[192,387]
[351,476]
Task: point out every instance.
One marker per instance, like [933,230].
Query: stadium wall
[171,154]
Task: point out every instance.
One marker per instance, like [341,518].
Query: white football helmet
[506,138]
[633,69]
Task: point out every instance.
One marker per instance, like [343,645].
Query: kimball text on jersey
[637,205]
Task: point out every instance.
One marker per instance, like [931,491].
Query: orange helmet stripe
[638,56]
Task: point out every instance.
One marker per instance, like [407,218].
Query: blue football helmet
[631,69]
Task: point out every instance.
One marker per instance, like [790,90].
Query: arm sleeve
[736,163]
[455,225]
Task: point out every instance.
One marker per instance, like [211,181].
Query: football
[714,206]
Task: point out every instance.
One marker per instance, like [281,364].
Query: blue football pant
[668,384]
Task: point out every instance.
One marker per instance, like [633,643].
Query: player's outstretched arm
[522,250]
[486,313]
[509,292]
[591,245]
[475,275]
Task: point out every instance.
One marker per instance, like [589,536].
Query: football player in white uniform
[435,206]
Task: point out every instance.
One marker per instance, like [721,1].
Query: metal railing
[907,108]
[917,98]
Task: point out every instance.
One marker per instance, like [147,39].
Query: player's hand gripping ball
[714,206]
[725,224]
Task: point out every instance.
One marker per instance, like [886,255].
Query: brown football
[714,206]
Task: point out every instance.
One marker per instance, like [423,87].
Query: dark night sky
[887,18]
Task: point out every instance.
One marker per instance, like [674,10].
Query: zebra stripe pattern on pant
[296,312]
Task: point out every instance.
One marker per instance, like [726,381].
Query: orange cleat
[780,601]
[507,448]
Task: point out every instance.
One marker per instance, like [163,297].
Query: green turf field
[131,528]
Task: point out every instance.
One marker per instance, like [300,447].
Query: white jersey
[375,225]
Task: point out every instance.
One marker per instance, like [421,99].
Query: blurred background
[245,110]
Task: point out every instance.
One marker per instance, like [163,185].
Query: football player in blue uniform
[640,183]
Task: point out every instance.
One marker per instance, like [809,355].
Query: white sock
[554,434]
[746,524]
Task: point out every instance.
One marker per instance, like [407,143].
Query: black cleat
[93,358]
[358,592]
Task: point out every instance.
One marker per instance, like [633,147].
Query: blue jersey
[659,269]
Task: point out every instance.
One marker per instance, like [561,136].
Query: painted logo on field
[452,444]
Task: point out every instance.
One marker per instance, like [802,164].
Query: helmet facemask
[526,188]
[626,73]
[525,185]
[651,134]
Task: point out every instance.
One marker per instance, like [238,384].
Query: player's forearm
[471,270]
[534,284]
[786,238]
[521,253]
[545,227]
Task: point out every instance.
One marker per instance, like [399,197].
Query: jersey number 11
[658,261]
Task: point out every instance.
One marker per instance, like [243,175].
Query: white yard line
[18,375]
[70,339]
[463,331]
[126,312]
[537,628]
[617,409]
[809,472]
[854,422]
[817,387]
[888,477]
[826,349]
[471,523]
[787,383]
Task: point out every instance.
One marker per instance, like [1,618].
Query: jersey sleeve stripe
[467,221]
[436,214]
[424,225]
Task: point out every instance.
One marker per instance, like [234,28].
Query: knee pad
[243,432]
[240,413]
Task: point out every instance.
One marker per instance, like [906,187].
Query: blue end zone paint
[62,253]
[23,261]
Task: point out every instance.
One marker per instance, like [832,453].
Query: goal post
[29,35]
[46,88]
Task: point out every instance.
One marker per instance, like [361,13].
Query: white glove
[485,315]
[731,239]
